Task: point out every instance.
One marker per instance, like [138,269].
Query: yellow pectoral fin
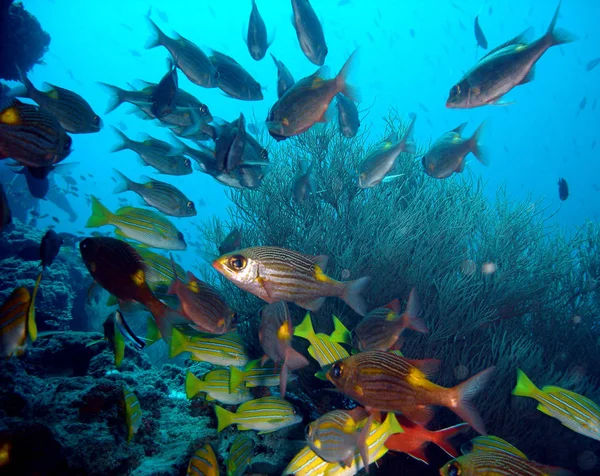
[543,409]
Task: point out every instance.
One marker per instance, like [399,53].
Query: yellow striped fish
[253,375]
[240,455]
[491,443]
[276,274]
[203,463]
[216,386]
[574,411]
[133,412]
[498,463]
[263,414]
[159,270]
[145,226]
[17,321]
[224,350]
[307,463]
[324,349]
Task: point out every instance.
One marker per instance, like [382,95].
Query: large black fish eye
[237,262]
[187,163]
[96,120]
[455,91]
[454,470]
[190,205]
[336,370]
[264,153]
[203,109]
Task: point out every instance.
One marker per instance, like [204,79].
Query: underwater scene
[299,237]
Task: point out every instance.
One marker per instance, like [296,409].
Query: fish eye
[336,370]
[237,262]
[455,91]
[203,109]
[264,154]
[454,470]
[190,205]
[96,120]
[234,317]
[187,163]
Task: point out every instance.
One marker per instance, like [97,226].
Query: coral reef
[498,285]
[23,43]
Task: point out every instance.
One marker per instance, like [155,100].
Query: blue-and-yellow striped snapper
[263,414]
[574,411]
[491,443]
[203,463]
[216,386]
[277,274]
[145,226]
[255,375]
[133,412]
[240,455]
[308,463]
[227,349]
[324,349]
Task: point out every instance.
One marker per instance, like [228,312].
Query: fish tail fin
[119,347]
[152,332]
[178,343]
[125,141]
[224,418]
[157,38]
[464,393]
[442,438]
[525,387]
[340,333]
[164,316]
[476,147]
[558,36]
[100,214]
[32,331]
[409,318]
[305,328]
[236,378]
[117,97]
[341,80]
[407,141]
[124,183]
[352,295]
[193,385]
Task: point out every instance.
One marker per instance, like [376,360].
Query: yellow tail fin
[100,214]
[524,387]
[193,385]
[31,325]
[305,329]
[224,418]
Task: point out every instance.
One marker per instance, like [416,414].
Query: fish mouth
[216,264]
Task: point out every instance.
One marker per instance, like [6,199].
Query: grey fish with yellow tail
[17,321]
[388,382]
[203,463]
[240,455]
[309,31]
[223,350]
[215,384]
[335,437]
[323,348]
[133,412]
[31,136]
[382,327]
[264,415]
[275,335]
[145,226]
[498,463]
[505,67]
[373,170]
[156,153]
[448,154]
[165,197]
[73,112]
[277,274]
[308,463]
[202,304]
[574,411]
[307,101]
[188,57]
[285,80]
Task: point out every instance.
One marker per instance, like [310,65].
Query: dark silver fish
[592,64]
[49,248]
[504,68]
[156,153]
[447,154]
[119,96]
[285,80]
[73,112]
[234,80]
[187,56]
[230,145]
[163,196]
[303,184]
[479,36]
[563,189]
[257,40]
[32,136]
[347,116]
[232,242]
[309,31]
[163,96]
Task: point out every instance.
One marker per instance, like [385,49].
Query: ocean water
[410,53]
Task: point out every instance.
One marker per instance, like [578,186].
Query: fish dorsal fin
[520,39]
[394,306]
[459,129]
[429,367]
[321,261]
